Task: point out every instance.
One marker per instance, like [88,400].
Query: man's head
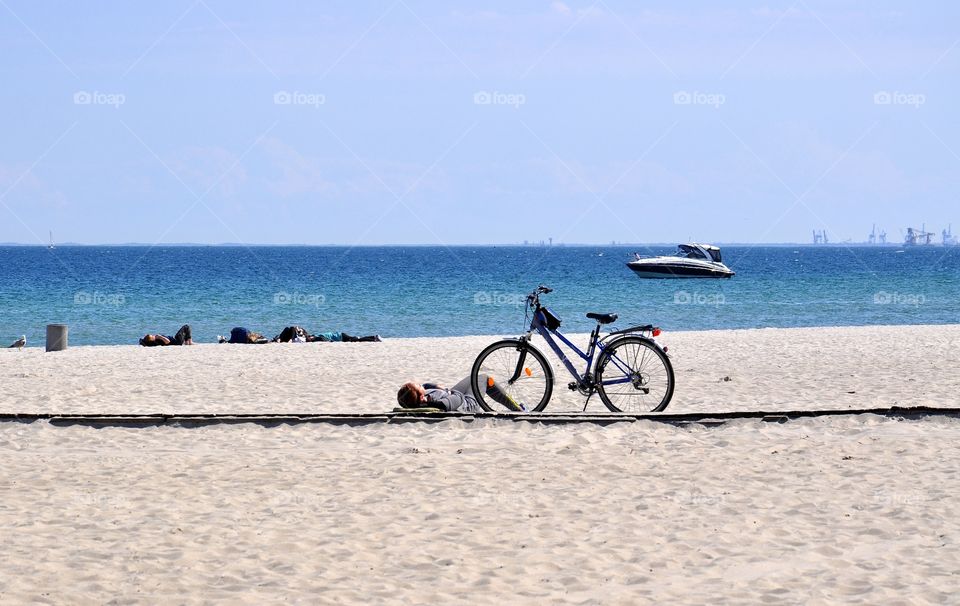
[148,339]
[411,395]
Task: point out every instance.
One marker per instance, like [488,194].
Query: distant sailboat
[51,246]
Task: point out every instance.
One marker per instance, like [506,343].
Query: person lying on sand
[342,336]
[183,337]
[243,335]
[297,334]
[459,398]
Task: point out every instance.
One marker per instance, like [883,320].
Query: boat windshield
[689,252]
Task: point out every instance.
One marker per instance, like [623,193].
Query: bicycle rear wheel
[512,376]
[634,375]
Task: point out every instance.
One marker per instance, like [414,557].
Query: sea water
[115,294]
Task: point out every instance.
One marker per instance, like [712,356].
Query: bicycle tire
[643,366]
[533,391]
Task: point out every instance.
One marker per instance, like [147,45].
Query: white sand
[858,509]
[842,510]
[771,369]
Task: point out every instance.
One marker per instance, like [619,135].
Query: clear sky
[409,122]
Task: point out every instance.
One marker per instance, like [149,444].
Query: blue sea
[115,294]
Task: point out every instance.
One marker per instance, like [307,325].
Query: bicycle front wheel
[634,375]
[512,376]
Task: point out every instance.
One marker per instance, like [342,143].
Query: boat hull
[677,271]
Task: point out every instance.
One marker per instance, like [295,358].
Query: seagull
[21,342]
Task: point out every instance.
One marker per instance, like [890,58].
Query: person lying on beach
[431,395]
[292,334]
[459,398]
[344,337]
[183,337]
[243,335]
[297,334]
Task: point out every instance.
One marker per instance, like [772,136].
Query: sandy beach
[768,369]
[772,184]
[836,509]
[843,510]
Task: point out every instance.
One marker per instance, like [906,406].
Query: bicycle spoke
[632,373]
[497,366]
[635,377]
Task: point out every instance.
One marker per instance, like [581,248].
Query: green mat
[418,410]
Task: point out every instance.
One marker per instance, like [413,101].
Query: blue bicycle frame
[585,381]
[539,324]
[620,358]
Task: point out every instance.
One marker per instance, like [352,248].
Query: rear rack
[640,328]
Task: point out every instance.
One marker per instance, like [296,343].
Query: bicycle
[632,372]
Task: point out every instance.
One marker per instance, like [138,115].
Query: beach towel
[422,410]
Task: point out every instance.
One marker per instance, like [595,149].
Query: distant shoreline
[441,339]
[512,245]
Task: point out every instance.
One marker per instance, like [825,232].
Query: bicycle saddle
[602,318]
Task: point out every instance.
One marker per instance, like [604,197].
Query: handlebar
[534,297]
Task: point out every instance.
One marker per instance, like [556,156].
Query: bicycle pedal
[573,386]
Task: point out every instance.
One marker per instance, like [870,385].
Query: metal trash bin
[56,337]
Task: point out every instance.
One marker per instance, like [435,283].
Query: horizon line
[462,245]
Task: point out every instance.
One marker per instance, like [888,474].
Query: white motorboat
[691,261]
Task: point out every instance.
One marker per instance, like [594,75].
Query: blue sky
[405,122]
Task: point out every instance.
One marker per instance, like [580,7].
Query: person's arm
[442,398]
[448,399]
[163,340]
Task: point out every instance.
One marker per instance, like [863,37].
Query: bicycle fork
[521,359]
